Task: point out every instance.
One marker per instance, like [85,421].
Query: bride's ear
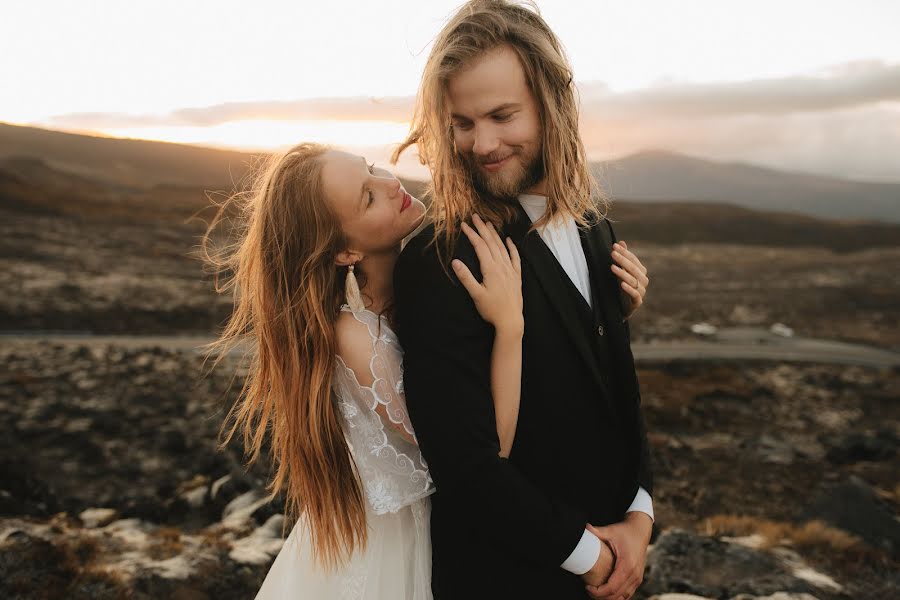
[345,258]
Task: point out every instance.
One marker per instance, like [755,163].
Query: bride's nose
[393,185]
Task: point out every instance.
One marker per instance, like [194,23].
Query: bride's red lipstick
[407,200]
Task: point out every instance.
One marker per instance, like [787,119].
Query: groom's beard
[521,173]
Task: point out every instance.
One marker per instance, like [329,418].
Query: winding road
[735,344]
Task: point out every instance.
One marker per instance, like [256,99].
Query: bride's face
[374,210]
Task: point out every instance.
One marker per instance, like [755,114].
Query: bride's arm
[498,299]
[355,349]
[506,383]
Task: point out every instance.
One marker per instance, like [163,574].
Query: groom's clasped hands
[620,568]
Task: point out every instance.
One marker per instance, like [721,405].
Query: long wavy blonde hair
[280,266]
[478,27]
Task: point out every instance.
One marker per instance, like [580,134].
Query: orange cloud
[843,121]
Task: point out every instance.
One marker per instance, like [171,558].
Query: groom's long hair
[478,27]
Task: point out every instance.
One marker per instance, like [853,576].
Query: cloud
[395,109]
[843,120]
[843,86]
[840,86]
[857,143]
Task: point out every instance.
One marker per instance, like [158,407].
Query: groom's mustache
[491,158]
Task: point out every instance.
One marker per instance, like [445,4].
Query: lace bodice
[391,468]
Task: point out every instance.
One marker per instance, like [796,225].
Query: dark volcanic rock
[856,446]
[684,562]
[131,433]
[22,492]
[32,567]
[853,506]
[112,427]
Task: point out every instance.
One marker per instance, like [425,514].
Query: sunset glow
[268,134]
[721,79]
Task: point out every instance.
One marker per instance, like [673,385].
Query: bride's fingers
[501,249]
[466,278]
[485,232]
[636,297]
[485,257]
[514,256]
[630,278]
[630,269]
[628,254]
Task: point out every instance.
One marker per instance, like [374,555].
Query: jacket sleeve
[645,472]
[447,354]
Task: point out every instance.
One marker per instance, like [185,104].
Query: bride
[311,271]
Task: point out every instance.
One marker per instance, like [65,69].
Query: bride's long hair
[280,267]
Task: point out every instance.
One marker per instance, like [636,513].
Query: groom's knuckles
[617,583]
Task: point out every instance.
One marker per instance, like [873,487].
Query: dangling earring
[354,300]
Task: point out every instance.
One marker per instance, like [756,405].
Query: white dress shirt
[561,236]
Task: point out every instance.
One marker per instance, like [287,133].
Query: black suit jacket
[502,527]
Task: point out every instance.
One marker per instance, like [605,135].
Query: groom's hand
[629,540]
[601,570]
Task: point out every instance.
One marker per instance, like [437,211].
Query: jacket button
[600,330]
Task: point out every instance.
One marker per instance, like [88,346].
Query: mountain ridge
[650,175]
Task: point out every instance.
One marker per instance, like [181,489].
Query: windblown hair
[287,296]
[479,27]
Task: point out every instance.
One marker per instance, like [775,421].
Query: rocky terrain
[113,483]
[851,297]
[116,276]
[774,481]
[78,254]
[769,478]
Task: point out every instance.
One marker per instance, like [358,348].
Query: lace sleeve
[368,387]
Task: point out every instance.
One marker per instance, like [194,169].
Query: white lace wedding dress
[396,563]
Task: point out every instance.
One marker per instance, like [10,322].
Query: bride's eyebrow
[362,189]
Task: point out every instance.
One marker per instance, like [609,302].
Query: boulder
[687,563]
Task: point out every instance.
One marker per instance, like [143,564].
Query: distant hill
[135,163]
[669,223]
[30,186]
[650,176]
[139,164]
[660,176]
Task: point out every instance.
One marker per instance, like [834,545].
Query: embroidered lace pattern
[391,468]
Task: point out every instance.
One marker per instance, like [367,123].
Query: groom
[497,124]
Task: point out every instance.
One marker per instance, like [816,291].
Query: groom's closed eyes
[500,114]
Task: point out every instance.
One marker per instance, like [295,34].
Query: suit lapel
[597,242]
[539,259]
[597,251]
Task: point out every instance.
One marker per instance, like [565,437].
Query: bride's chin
[418,218]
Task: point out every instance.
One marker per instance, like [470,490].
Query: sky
[795,84]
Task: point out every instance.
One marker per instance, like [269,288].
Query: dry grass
[814,539]
[213,539]
[166,543]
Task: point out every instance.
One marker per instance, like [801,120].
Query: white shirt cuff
[642,502]
[585,554]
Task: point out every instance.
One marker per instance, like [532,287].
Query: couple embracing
[459,419]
